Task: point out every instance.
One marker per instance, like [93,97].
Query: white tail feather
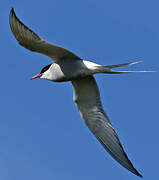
[108,69]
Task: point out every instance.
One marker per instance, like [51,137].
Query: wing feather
[87,100]
[30,40]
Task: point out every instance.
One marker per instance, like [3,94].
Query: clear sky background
[42,135]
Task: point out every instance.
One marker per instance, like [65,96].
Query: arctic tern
[69,67]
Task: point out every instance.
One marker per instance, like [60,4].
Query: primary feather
[30,40]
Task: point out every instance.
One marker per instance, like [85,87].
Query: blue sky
[41,133]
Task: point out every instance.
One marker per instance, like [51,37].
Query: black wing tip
[133,169]
[12,10]
[12,13]
[138,174]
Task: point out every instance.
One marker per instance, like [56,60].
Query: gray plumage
[69,67]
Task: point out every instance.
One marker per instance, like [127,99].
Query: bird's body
[68,70]
[69,67]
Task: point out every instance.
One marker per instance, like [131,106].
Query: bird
[67,66]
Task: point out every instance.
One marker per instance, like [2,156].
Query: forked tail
[108,69]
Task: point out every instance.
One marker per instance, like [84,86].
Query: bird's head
[42,73]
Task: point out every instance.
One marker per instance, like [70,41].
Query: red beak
[36,76]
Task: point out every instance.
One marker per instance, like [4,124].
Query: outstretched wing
[28,39]
[87,100]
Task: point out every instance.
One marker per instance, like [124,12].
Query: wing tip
[12,15]
[14,20]
[132,169]
[138,174]
[12,10]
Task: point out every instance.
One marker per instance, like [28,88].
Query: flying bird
[69,67]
